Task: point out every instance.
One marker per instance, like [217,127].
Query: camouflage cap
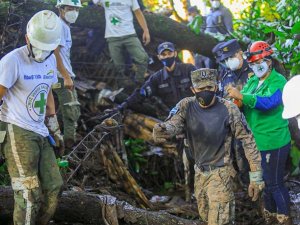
[204,77]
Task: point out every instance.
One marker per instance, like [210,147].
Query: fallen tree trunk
[90,209]
[160,27]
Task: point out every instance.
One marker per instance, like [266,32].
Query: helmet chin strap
[30,54]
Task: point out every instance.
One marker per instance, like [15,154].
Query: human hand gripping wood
[160,133]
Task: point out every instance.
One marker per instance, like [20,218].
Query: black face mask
[168,62]
[205,97]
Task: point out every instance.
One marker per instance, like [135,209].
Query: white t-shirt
[28,84]
[65,48]
[119,17]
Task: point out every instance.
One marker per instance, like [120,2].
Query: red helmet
[258,50]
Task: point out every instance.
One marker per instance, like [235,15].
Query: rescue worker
[290,92]
[120,34]
[261,99]
[211,122]
[235,72]
[219,20]
[64,89]
[230,56]
[196,23]
[195,20]
[26,76]
[170,84]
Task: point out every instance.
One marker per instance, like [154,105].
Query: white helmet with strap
[75,3]
[44,30]
[290,94]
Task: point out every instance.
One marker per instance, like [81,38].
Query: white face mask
[71,16]
[215,4]
[190,19]
[40,55]
[232,63]
[260,69]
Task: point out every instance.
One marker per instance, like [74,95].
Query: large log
[82,207]
[160,26]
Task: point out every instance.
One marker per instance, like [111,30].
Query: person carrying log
[211,122]
[64,89]
[26,76]
[121,36]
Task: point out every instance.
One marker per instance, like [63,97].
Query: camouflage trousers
[35,177]
[214,194]
[70,111]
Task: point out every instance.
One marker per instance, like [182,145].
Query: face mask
[232,63]
[71,16]
[168,62]
[205,97]
[190,19]
[215,4]
[40,55]
[260,69]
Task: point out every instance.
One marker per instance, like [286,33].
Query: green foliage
[4,176]
[168,186]
[264,19]
[135,149]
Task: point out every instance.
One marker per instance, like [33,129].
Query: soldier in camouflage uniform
[211,123]
[234,71]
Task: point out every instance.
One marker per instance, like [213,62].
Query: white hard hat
[75,3]
[44,30]
[290,98]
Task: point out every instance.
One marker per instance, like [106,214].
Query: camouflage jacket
[210,132]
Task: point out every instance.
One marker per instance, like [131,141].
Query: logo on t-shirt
[36,102]
[114,20]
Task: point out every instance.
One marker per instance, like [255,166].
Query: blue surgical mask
[168,62]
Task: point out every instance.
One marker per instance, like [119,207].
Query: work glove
[256,184]
[53,127]
[160,133]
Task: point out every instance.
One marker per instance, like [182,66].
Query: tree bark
[90,208]
[160,27]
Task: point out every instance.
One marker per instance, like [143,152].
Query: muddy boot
[269,217]
[284,219]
